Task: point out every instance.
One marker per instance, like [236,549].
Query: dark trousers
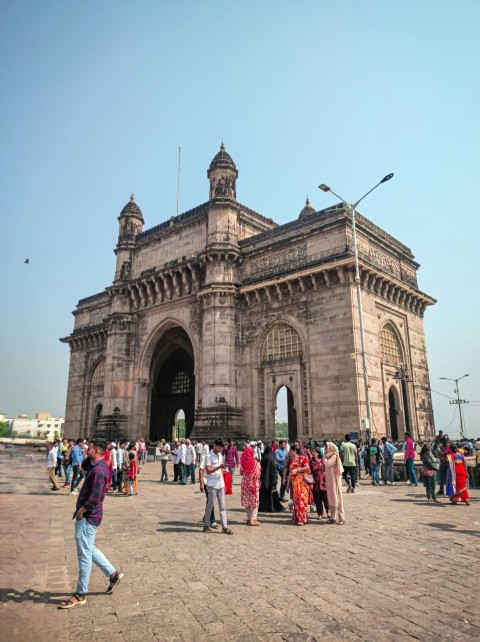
[321,500]
[58,467]
[442,476]
[283,485]
[177,471]
[119,481]
[212,516]
[164,475]
[350,472]
[78,475]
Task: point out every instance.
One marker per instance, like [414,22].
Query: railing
[95,297]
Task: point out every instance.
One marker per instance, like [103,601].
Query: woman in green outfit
[428,472]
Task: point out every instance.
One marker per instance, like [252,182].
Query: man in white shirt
[113,454]
[199,451]
[51,463]
[180,460]
[164,453]
[214,465]
[189,463]
[120,460]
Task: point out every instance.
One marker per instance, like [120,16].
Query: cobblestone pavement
[399,569]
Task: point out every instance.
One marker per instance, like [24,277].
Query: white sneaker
[74,492]
[409,483]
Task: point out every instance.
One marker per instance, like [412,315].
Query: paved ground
[400,569]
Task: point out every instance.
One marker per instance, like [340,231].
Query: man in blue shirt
[389,451]
[76,458]
[280,458]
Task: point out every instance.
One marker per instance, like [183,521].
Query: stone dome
[222,160]
[307,210]
[132,209]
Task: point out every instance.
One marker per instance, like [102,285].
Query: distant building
[42,427]
[3,417]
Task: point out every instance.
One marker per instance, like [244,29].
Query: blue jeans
[189,469]
[232,470]
[387,472]
[411,474]
[78,475]
[375,473]
[87,553]
[66,469]
[130,485]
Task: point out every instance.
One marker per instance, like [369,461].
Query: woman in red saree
[298,486]
[250,471]
[457,477]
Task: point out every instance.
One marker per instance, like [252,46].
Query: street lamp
[352,208]
[459,402]
[403,376]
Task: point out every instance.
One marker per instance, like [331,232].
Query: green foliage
[181,428]
[4,429]
[281,430]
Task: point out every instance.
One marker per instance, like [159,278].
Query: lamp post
[403,376]
[352,208]
[458,401]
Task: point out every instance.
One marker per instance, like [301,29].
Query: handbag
[308,479]
[428,472]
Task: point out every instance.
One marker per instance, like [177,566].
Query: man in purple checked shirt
[232,459]
[88,516]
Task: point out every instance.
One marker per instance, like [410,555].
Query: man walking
[51,464]
[76,459]
[120,460]
[349,455]
[410,460]
[189,463]
[88,517]
[164,453]
[388,451]
[214,465]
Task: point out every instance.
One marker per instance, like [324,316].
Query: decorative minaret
[220,409]
[130,223]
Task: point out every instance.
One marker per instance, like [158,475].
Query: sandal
[114,581]
[331,521]
[227,531]
[207,529]
[75,600]
[341,523]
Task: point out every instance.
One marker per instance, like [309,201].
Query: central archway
[173,384]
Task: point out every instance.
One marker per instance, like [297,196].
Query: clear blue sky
[97,97]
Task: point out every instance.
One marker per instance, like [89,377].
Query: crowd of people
[311,473]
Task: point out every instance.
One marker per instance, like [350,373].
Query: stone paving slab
[400,569]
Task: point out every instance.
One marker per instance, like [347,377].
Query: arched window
[98,375]
[181,383]
[282,342]
[390,345]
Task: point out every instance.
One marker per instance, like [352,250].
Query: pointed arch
[97,375]
[391,345]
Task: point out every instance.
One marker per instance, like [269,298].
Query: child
[132,473]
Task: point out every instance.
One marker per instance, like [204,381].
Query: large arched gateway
[213,311]
[172,378]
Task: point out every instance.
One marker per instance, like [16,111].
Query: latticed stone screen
[390,345]
[282,342]
[181,383]
[98,376]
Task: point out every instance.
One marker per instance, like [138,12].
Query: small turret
[223,176]
[130,224]
[307,210]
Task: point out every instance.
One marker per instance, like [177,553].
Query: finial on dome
[132,198]
[307,202]
[222,146]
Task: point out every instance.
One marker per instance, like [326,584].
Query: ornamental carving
[288,258]
[97,316]
[385,262]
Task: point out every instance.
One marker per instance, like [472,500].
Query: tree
[281,430]
[181,428]
[4,429]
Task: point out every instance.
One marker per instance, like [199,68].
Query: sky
[97,97]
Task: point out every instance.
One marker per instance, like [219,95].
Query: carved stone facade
[214,310]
